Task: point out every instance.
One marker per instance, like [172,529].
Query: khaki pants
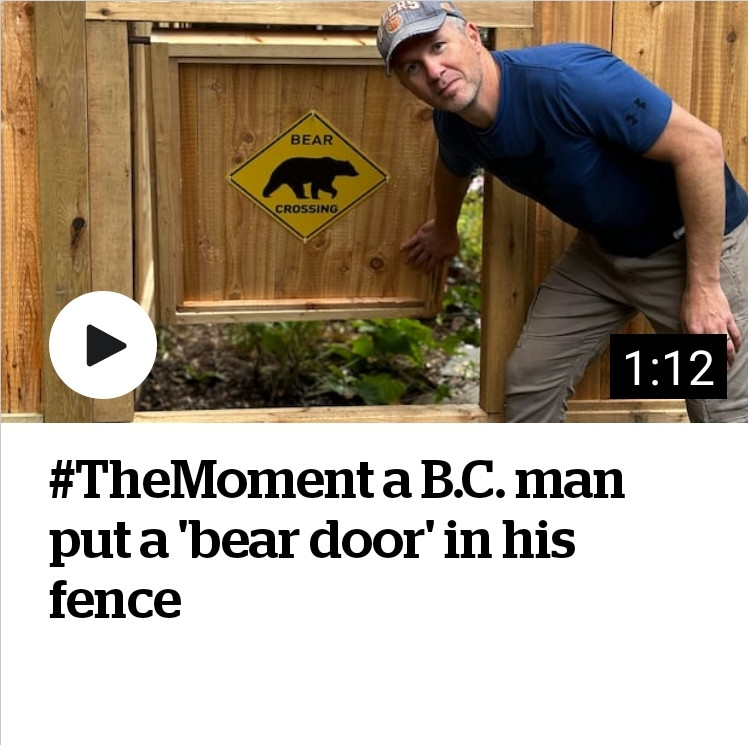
[589,295]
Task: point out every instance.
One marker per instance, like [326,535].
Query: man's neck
[484,110]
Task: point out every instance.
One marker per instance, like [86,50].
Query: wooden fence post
[63,184]
[110,178]
[21,280]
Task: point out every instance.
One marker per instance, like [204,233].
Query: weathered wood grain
[21,357]
[63,184]
[110,178]
[504,13]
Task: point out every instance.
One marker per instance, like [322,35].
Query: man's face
[443,68]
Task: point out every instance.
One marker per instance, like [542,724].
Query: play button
[102,344]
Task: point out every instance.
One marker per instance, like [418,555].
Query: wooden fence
[697,51]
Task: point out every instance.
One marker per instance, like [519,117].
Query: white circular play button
[102,345]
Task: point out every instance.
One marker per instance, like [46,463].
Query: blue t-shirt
[573,120]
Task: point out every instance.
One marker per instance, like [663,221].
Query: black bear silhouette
[319,172]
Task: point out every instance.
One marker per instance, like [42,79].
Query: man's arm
[437,240]
[695,152]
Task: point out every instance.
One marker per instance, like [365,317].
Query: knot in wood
[75,231]
[376,264]
[732,37]
[320,243]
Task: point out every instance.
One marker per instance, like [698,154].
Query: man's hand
[696,154]
[705,310]
[430,246]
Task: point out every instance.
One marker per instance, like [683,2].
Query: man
[662,222]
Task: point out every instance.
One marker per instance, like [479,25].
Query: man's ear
[473,33]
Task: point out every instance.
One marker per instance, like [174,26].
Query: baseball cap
[408,18]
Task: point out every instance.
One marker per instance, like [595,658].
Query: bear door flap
[289,170]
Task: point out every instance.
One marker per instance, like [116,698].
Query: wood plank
[626,412]
[110,178]
[505,262]
[657,39]
[196,251]
[588,22]
[251,236]
[63,184]
[293,310]
[21,358]
[344,301]
[407,153]
[26,418]
[633,412]
[144,226]
[580,412]
[721,82]
[373,414]
[591,23]
[504,295]
[507,13]
[271,47]
[165,99]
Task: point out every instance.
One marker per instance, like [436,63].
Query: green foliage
[381,388]
[383,362]
[195,374]
[470,227]
[164,343]
[371,362]
[285,357]
[462,296]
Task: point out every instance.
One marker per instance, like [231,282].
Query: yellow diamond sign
[308,177]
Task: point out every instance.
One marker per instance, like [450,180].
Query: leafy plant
[384,361]
[196,374]
[285,357]
[462,296]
